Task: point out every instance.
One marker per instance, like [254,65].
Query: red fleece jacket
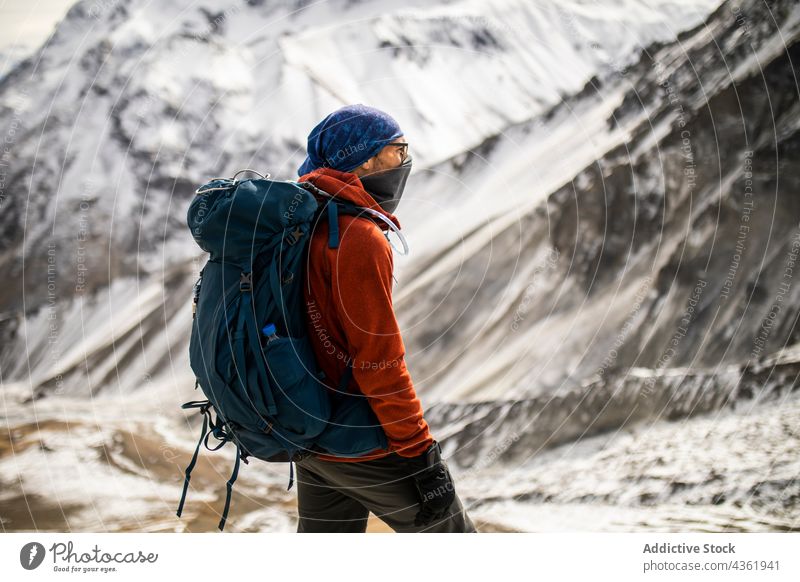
[350,317]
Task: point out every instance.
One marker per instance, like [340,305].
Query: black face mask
[387,186]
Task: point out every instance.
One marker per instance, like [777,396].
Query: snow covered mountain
[671,245]
[653,285]
[128,106]
[615,348]
[602,217]
[10,57]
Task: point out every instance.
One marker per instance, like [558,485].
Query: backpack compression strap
[229,489]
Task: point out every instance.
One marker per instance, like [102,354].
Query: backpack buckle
[300,455]
[294,236]
[246,281]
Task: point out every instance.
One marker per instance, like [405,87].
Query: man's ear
[364,168]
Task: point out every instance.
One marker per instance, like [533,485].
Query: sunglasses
[403,151]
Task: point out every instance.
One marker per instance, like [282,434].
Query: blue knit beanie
[348,137]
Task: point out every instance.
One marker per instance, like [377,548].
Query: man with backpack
[358,155]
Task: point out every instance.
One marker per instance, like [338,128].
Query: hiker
[359,154]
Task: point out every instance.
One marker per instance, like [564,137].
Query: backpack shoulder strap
[333,225]
[334,209]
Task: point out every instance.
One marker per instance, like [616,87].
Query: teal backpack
[248,349]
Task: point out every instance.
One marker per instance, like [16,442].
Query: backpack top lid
[236,219]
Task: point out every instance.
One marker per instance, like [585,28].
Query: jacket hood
[347,186]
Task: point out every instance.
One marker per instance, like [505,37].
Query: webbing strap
[275,279]
[192,464]
[265,387]
[229,491]
[246,320]
[333,225]
[219,434]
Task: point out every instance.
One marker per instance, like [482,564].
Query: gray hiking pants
[337,497]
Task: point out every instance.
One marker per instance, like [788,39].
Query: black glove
[434,485]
